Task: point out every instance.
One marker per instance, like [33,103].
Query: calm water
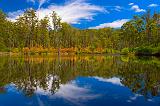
[79,81]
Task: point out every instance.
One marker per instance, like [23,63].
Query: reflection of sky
[83,91]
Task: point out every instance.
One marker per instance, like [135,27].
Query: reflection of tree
[30,74]
[141,77]
[55,84]
[2,90]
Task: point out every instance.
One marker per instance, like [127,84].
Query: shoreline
[77,54]
[63,54]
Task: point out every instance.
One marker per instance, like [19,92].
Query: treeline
[30,34]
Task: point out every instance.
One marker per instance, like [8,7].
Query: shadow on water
[29,74]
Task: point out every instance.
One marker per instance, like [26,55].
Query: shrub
[143,51]
[125,51]
[92,48]
[25,50]
[3,48]
[15,50]
[156,51]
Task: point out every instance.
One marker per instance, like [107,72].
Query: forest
[30,35]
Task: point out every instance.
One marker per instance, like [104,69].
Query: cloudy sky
[83,13]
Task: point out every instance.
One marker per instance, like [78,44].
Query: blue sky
[83,13]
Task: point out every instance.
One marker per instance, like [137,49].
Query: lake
[79,81]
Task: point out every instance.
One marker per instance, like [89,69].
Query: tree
[30,19]
[44,33]
[56,22]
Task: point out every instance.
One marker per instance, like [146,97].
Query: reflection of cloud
[113,80]
[150,100]
[129,101]
[136,96]
[133,98]
[74,94]
[70,92]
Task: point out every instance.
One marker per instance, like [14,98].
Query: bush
[125,51]
[143,51]
[156,51]
[92,48]
[3,48]
[15,50]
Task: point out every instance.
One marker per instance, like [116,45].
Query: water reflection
[79,80]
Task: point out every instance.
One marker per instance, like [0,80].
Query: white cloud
[137,9]
[114,24]
[71,12]
[153,5]
[130,4]
[12,16]
[41,2]
[118,8]
[113,80]
[33,1]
